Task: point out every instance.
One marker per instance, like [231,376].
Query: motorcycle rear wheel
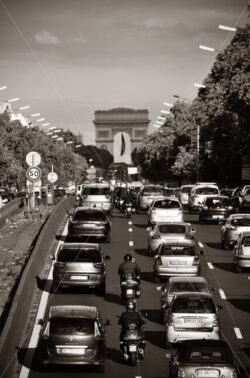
[133,359]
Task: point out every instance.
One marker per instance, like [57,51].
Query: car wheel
[101,290]
[133,359]
[238,269]
[201,221]
[224,246]
[169,345]
[101,368]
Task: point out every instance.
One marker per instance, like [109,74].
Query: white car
[165,209]
[198,195]
[163,231]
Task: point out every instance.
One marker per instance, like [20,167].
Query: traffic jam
[145,281]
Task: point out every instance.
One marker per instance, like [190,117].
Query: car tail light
[158,261]
[181,372]
[196,261]
[97,265]
[234,373]
[156,236]
[215,321]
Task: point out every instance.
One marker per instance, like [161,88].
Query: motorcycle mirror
[149,229]
[168,355]
[159,288]
[107,257]
[108,322]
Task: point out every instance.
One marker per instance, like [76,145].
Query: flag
[122,145]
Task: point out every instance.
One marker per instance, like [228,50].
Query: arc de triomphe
[120,130]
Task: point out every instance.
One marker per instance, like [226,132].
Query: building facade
[120,131]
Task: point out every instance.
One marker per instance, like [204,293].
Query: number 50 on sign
[33,173]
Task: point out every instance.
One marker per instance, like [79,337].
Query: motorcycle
[130,288]
[132,344]
[129,209]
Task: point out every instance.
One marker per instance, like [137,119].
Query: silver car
[181,285]
[166,209]
[198,195]
[235,224]
[241,253]
[163,231]
[176,259]
[192,316]
[80,264]
[96,196]
[148,194]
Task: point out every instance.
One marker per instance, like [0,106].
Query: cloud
[46,38]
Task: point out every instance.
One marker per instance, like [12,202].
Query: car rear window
[178,287]
[172,229]
[166,204]
[81,255]
[246,241]
[206,190]
[217,202]
[241,222]
[176,250]
[205,355]
[152,190]
[186,190]
[193,306]
[89,216]
[96,191]
[71,326]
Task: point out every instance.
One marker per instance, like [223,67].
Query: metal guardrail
[9,210]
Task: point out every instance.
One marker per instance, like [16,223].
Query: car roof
[97,185]
[95,210]
[187,279]
[186,224]
[194,295]
[186,242]
[245,233]
[68,311]
[239,216]
[80,246]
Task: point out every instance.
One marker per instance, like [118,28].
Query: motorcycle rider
[128,198]
[129,266]
[128,317]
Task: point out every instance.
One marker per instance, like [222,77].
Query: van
[96,196]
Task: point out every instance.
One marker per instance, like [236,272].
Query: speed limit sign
[33,173]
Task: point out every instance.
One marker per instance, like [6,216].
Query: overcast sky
[68,58]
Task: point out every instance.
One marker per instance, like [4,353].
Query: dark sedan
[73,335]
[216,209]
[89,224]
[203,358]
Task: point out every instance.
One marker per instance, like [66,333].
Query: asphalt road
[231,290]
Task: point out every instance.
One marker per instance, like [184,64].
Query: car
[171,192]
[234,225]
[192,316]
[165,209]
[241,252]
[215,209]
[244,199]
[73,335]
[97,196]
[93,223]
[203,358]
[147,195]
[80,264]
[6,195]
[162,231]
[173,258]
[181,285]
[184,194]
[199,193]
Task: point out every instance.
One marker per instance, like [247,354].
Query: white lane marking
[238,333]
[24,373]
[130,223]
[131,243]
[248,278]
[130,229]
[222,294]
[210,265]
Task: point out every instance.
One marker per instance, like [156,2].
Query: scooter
[130,288]
[132,344]
[129,209]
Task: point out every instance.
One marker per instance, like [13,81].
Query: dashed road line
[238,333]
[222,294]
[130,223]
[210,265]
[130,229]
[131,243]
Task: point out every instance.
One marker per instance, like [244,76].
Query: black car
[216,209]
[203,358]
[73,335]
[89,224]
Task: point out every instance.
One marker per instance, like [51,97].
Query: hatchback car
[203,358]
[198,195]
[241,252]
[97,196]
[216,209]
[73,335]
[244,199]
[89,224]
[165,209]
[176,259]
[192,316]
[80,264]
[235,224]
[181,285]
[163,231]
[148,194]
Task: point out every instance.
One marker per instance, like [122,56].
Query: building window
[103,146]
[139,133]
[103,134]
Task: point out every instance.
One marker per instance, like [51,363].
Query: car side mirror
[193,230]
[201,252]
[108,322]
[168,355]
[40,322]
[149,229]
[159,288]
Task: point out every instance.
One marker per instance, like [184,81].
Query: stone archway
[118,146]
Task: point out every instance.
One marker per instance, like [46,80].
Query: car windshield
[186,190]
[176,250]
[148,190]
[207,190]
[204,355]
[80,255]
[172,229]
[71,326]
[96,191]
[217,202]
[166,204]
[247,192]
[89,216]
[178,287]
[241,222]
[193,306]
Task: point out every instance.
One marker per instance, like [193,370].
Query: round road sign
[33,173]
[52,177]
[33,159]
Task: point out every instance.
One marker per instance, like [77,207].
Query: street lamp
[228,28]
[168,104]
[207,48]
[45,124]
[22,108]
[40,120]
[3,87]
[13,99]
[199,85]
[35,115]
[165,111]
[162,118]
[182,98]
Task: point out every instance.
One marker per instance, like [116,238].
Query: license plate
[217,216]
[129,291]
[208,373]
[77,351]
[178,262]
[83,278]
[88,225]
[129,209]
[193,320]
[132,348]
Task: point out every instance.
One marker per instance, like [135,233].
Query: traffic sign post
[33,159]
[52,178]
[33,174]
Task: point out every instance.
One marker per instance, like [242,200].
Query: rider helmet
[128,257]
[131,306]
